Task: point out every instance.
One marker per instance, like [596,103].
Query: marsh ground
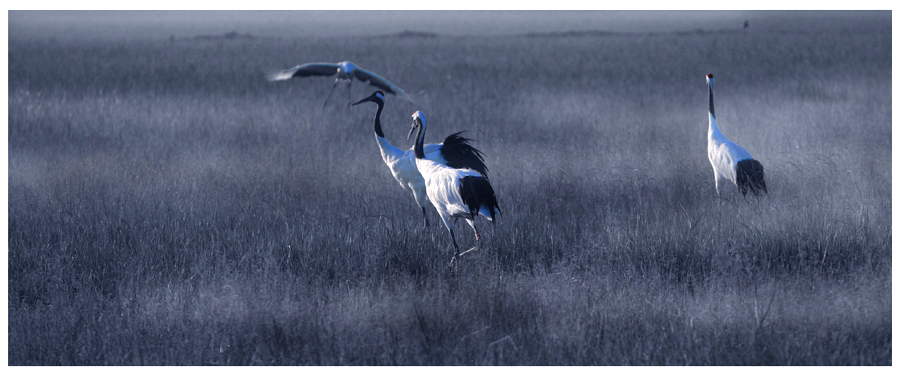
[168,206]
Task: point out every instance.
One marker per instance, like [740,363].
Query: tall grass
[170,206]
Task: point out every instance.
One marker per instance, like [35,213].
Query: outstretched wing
[458,153]
[379,82]
[311,69]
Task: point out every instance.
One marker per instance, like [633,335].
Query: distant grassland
[168,206]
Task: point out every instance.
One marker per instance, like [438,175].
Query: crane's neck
[378,131]
[713,126]
[419,148]
[388,152]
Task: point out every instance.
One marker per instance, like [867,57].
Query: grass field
[168,206]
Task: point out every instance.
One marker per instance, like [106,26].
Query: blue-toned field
[169,206]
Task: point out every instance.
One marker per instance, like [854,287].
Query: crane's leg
[349,83]
[330,91]
[455,260]
[718,194]
[421,197]
[449,225]
[717,185]
[471,223]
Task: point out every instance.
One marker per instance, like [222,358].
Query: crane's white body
[723,154]
[442,186]
[402,164]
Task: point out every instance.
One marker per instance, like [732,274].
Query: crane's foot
[454,262]
[477,237]
[468,250]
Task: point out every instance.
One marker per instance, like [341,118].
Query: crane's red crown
[709,75]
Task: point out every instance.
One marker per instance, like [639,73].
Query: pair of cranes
[452,175]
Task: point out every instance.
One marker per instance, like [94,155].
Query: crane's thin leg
[472,223]
[477,237]
[330,91]
[717,185]
[455,260]
[349,83]
[425,216]
[718,194]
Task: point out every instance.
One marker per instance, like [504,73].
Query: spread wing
[311,69]
[379,82]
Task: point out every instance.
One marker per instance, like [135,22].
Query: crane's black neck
[712,110]
[378,131]
[419,148]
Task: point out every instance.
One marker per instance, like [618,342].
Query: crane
[729,160]
[455,151]
[343,71]
[454,192]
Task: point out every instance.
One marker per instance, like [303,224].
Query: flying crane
[344,71]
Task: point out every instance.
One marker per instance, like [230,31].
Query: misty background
[121,25]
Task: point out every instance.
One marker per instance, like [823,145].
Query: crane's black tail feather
[459,153]
[476,192]
[750,176]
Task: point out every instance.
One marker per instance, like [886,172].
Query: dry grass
[169,206]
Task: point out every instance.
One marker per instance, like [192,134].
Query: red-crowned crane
[729,160]
[454,192]
[344,71]
[455,151]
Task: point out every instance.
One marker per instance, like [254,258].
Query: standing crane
[343,71]
[454,192]
[729,160]
[455,151]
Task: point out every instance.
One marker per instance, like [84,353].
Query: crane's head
[418,121]
[377,97]
[709,79]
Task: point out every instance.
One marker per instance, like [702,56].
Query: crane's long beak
[416,123]
[366,99]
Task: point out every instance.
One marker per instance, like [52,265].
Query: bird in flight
[344,71]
